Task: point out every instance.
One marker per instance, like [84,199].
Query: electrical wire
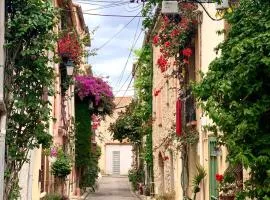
[131,74]
[117,33]
[131,50]
[104,15]
[106,6]
[208,14]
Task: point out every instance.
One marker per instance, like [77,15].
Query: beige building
[116,157]
[174,168]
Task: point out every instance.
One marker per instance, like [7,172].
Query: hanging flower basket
[96,92]
[69,48]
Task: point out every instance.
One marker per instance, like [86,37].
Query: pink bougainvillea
[93,87]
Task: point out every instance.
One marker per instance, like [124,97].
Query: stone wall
[167,163]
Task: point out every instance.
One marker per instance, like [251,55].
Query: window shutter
[178,117]
[213,169]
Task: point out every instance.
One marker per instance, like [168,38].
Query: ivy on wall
[86,155]
[82,135]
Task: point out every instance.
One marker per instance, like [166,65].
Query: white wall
[125,158]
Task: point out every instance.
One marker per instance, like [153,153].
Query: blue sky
[110,60]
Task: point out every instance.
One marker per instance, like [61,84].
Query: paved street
[113,188]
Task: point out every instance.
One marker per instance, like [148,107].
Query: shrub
[135,176]
[62,166]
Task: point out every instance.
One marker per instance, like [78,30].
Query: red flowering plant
[174,37]
[69,47]
[219,177]
[96,92]
[228,185]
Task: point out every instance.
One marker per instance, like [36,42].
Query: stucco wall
[164,114]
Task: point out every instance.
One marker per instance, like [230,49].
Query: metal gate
[116,162]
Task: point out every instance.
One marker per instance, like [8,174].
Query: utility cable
[208,14]
[133,75]
[106,6]
[117,33]
[133,72]
[105,15]
[130,52]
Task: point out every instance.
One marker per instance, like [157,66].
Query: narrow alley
[113,188]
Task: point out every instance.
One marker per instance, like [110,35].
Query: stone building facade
[172,177]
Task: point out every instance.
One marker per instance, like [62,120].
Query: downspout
[2,104]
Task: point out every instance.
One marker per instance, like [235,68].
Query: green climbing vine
[28,79]
[235,94]
[86,157]
[143,89]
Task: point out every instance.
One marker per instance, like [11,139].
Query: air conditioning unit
[170,7]
[224,4]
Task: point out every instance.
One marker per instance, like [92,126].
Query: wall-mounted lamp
[90,105]
[70,67]
[100,108]
[224,4]
[170,7]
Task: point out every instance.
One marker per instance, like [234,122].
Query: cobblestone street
[113,188]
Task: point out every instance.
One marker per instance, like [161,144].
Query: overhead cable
[130,52]
[117,33]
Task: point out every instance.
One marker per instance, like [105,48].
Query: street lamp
[70,67]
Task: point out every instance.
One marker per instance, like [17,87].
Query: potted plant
[61,168]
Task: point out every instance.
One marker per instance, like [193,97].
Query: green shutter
[213,169]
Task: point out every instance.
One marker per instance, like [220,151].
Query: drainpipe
[2,104]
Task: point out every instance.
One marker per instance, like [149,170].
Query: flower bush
[96,92]
[69,47]
[174,37]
